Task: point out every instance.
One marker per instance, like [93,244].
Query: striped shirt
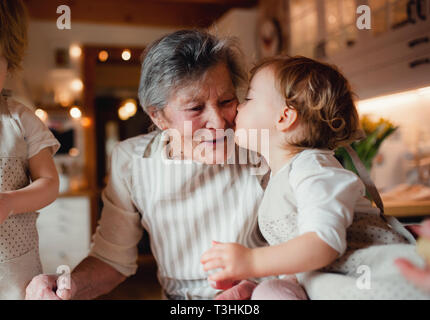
[183,205]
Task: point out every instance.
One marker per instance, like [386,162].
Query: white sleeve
[326,197]
[36,133]
[119,228]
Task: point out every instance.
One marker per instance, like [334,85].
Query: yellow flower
[369,126]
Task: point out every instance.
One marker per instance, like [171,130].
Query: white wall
[39,73]
[44,37]
[410,111]
[240,23]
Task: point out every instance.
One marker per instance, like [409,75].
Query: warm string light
[127,109]
[75,51]
[86,122]
[126,55]
[103,56]
[75,113]
[74,152]
[41,114]
[77,85]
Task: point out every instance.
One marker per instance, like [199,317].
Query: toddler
[28,177]
[314,214]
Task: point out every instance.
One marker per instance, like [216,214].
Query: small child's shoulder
[316,159]
[15,106]
[314,163]
[19,111]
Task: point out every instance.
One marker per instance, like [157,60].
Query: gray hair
[182,57]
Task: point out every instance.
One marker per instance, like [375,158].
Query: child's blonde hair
[13,32]
[323,100]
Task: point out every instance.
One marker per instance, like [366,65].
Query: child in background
[314,213]
[420,277]
[28,177]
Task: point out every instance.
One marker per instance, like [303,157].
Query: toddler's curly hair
[322,97]
[13,32]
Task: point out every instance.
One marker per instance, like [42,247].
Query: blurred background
[83,84]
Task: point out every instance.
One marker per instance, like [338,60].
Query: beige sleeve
[36,133]
[119,229]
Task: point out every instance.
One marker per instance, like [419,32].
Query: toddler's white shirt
[322,193]
[35,132]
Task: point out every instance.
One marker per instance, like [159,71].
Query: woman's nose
[216,118]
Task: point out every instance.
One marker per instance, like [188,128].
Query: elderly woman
[174,182]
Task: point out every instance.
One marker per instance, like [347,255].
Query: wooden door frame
[90,60]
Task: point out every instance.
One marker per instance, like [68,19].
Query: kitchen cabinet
[64,232]
[397,61]
[394,55]
[303,26]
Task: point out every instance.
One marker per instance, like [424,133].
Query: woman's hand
[50,287]
[5,207]
[235,260]
[419,277]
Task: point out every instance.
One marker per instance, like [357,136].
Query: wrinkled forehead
[215,83]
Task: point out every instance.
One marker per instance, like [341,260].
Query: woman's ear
[157,117]
[287,119]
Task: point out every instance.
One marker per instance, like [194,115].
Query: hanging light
[86,122]
[126,55]
[103,56]
[131,107]
[122,114]
[74,152]
[77,85]
[75,113]
[127,109]
[75,51]
[41,114]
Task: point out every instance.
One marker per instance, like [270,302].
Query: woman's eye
[227,101]
[199,108]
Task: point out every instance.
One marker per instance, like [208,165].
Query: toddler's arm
[41,192]
[304,253]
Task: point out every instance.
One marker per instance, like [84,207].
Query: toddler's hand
[223,285]
[5,207]
[235,260]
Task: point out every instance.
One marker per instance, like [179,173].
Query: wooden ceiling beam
[170,13]
[230,3]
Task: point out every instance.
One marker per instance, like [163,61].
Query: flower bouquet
[375,133]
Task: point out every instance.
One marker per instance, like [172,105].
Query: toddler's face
[260,110]
[3,71]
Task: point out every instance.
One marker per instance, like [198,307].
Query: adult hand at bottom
[48,287]
[241,291]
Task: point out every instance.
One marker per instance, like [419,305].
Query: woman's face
[201,112]
[3,70]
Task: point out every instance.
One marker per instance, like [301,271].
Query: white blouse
[312,193]
[35,132]
[183,205]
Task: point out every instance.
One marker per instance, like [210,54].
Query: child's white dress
[22,135]
[314,193]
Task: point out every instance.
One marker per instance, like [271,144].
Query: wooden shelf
[407,208]
[80,193]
